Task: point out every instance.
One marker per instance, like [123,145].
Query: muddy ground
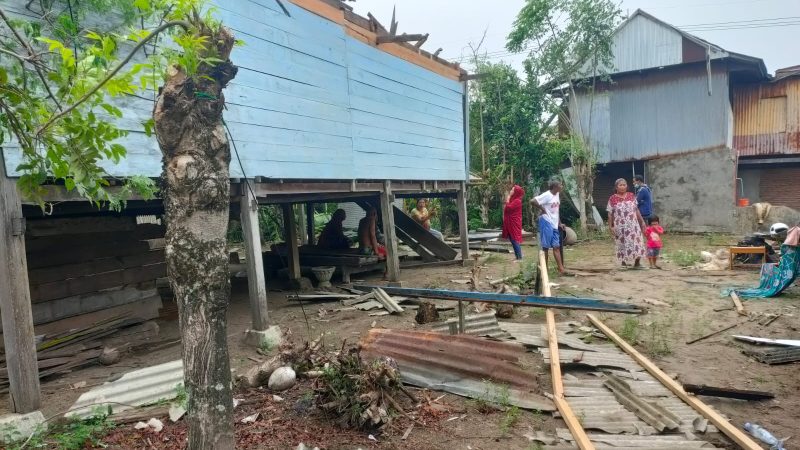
[695,309]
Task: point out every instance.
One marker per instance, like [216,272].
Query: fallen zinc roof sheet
[463,365]
[483,324]
[136,388]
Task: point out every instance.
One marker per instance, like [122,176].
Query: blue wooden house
[327,106]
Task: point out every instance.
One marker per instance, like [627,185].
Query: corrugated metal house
[767,138]
[667,114]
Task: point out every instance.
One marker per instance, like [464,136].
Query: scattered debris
[407,433]
[251,418]
[758,340]
[727,392]
[426,313]
[501,280]
[464,365]
[360,395]
[368,305]
[460,281]
[176,412]
[259,374]
[738,304]
[780,355]
[153,424]
[277,398]
[505,311]
[764,436]
[484,324]
[654,302]
[136,388]
[714,333]
[541,436]
[655,415]
[380,313]
[282,378]
[388,303]
[78,385]
[320,297]
[109,356]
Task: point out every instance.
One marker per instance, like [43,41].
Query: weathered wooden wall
[312,102]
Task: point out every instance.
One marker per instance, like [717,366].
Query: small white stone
[277,398]
[283,378]
[251,418]
[155,424]
[220,408]
[219,387]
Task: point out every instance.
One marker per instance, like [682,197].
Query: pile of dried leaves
[360,394]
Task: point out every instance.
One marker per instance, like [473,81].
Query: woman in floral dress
[626,225]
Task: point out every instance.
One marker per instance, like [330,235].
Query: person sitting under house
[332,236]
[367,235]
[422,216]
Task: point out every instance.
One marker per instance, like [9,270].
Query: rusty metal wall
[644,116]
[767,118]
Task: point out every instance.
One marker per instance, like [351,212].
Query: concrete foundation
[269,338]
[18,427]
[746,221]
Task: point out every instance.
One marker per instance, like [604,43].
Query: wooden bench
[346,262]
[747,251]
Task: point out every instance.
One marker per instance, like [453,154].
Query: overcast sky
[453,24]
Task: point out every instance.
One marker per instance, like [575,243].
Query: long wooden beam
[714,417]
[574,425]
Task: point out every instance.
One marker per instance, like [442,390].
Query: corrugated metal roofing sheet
[136,388]
[483,324]
[767,118]
[461,364]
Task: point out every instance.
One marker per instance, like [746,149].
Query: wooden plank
[727,392]
[418,249]
[80,225]
[715,418]
[145,309]
[62,308]
[421,235]
[290,237]
[87,253]
[388,216]
[50,274]
[567,414]
[15,301]
[322,9]
[92,283]
[256,283]
[70,241]
[463,224]
[310,225]
[738,304]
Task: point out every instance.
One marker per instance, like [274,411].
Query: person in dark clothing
[332,236]
[644,197]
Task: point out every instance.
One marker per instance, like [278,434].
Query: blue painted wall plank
[372,120]
[381,134]
[363,54]
[251,78]
[358,89]
[363,76]
[401,113]
[363,145]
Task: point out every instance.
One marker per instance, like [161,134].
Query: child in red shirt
[654,243]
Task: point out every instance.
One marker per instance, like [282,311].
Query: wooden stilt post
[290,235]
[15,302]
[256,283]
[301,218]
[463,224]
[310,223]
[387,217]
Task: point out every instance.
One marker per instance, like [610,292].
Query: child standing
[654,243]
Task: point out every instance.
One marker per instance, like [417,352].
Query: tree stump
[426,313]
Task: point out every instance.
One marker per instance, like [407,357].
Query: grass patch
[73,434]
[493,258]
[685,258]
[656,337]
[630,329]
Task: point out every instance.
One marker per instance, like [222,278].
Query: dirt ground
[696,308]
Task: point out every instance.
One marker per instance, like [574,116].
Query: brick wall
[781,186]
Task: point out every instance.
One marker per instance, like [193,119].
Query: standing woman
[512,219]
[626,225]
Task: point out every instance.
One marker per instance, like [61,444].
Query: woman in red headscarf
[512,219]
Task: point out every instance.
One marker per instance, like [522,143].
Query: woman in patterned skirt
[626,225]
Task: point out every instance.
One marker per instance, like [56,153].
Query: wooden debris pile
[361,395]
[60,352]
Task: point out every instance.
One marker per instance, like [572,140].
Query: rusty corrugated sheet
[463,365]
[767,118]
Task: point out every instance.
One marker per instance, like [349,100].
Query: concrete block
[270,338]
[18,427]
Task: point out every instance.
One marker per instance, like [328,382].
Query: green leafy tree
[508,119]
[569,44]
[60,81]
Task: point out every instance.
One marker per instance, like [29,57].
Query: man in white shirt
[548,204]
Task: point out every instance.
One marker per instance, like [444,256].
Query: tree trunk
[196,191]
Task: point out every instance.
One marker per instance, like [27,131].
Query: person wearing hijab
[512,219]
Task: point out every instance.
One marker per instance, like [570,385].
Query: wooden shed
[327,106]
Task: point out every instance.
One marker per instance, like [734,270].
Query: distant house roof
[791,71]
[644,42]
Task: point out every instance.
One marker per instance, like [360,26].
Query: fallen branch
[711,334]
